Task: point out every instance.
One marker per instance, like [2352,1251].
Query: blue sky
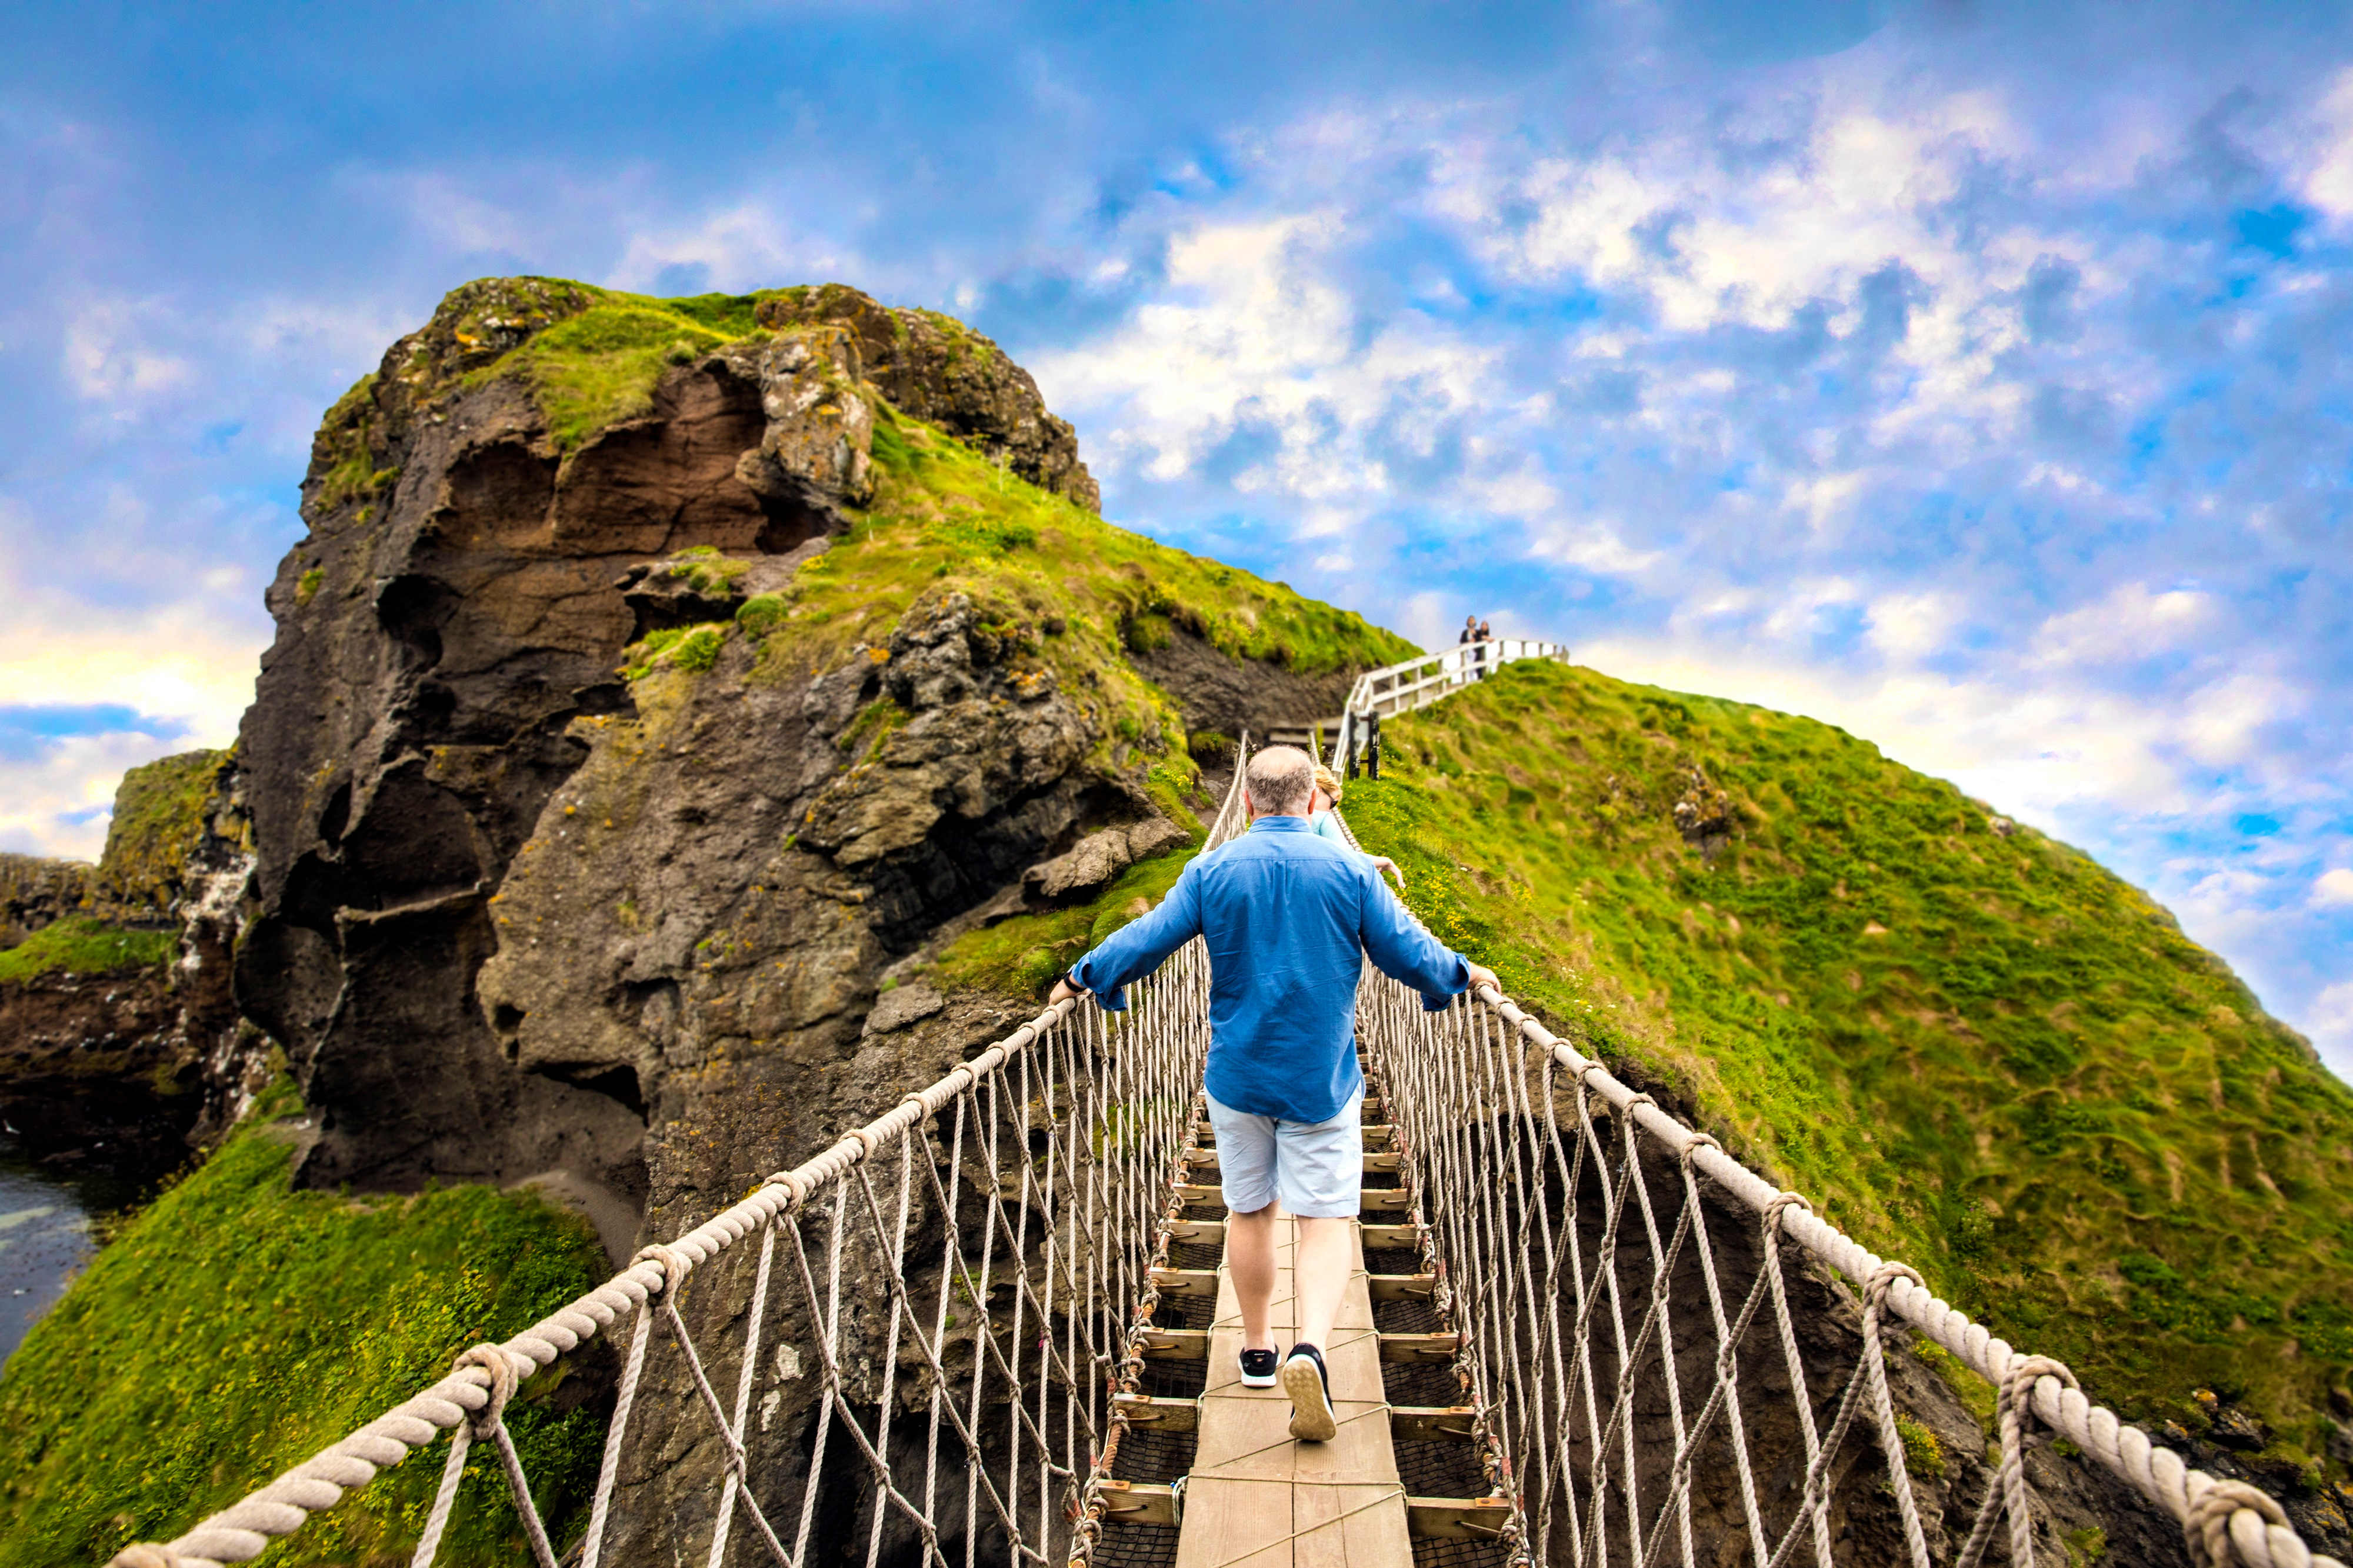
[1969,375]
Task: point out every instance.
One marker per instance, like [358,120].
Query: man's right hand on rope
[1064,990]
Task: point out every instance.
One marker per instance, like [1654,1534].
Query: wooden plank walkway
[1256,1498]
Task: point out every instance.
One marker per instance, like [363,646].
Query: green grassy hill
[1972,1046]
[234,1328]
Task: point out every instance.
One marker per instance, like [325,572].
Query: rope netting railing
[961,1271]
[1612,1343]
[1628,1333]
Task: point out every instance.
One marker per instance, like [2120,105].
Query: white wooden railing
[1402,687]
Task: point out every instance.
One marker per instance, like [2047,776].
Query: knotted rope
[2012,1408]
[488,1423]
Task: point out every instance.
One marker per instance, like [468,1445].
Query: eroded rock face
[1099,858]
[1229,696]
[443,635]
[702,923]
[939,369]
[131,1066]
[34,892]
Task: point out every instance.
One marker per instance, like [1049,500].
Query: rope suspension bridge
[1570,1338]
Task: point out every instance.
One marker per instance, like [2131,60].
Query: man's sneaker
[1310,1387]
[1257,1368]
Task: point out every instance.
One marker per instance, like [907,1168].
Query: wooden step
[1377,1135]
[1160,1415]
[1186,1281]
[1428,1423]
[1175,1344]
[1383,1287]
[1419,1347]
[1406,1422]
[1193,1344]
[1400,1287]
[1377,1162]
[1376,1200]
[1457,1518]
[1377,1237]
[1140,1502]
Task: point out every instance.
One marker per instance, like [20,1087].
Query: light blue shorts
[1316,1168]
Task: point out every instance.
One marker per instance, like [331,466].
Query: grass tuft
[79,945]
[159,819]
[694,649]
[762,613]
[1024,955]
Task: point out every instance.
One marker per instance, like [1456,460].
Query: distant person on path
[1326,825]
[1469,635]
[1480,652]
[1289,918]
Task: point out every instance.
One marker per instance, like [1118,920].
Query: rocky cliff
[658,675]
[119,1036]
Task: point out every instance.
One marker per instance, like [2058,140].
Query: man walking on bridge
[1289,917]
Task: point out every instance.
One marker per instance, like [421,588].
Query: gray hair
[1279,779]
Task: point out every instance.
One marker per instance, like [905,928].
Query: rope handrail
[2212,1506]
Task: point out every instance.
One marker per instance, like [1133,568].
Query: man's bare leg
[1249,1258]
[1319,1278]
[1319,1273]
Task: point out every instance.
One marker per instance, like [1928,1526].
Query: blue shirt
[1289,917]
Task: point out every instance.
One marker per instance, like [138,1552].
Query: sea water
[45,1235]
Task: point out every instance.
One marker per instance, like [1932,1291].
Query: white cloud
[74,778]
[2333,888]
[109,357]
[2036,750]
[1593,544]
[445,213]
[2328,182]
[1253,337]
[2328,1021]
[1907,625]
[745,246]
[2129,623]
[187,664]
[2222,721]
